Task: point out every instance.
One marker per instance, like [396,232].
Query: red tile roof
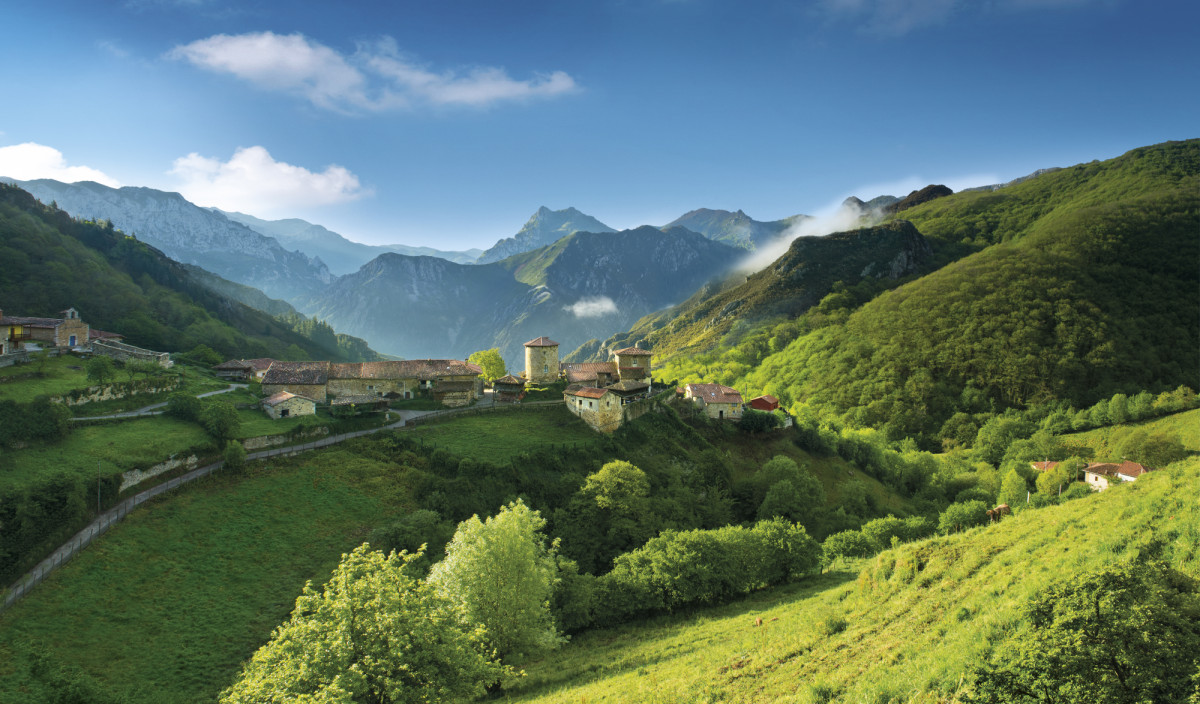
[541,342]
[261,364]
[1133,470]
[587,371]
[714,393]
[634,351]
[509,380]
[588,392]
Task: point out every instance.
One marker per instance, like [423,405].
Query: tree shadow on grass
[598,650]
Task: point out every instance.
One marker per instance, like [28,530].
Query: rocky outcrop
[915,198]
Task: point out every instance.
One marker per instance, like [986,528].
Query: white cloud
[253,182]
[375,78]
[28,161]
[592,307]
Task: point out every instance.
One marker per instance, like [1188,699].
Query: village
[605,395]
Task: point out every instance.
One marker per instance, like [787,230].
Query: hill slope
[1091,289]
[190,234]
[123,285]
[909,626]
[734,229]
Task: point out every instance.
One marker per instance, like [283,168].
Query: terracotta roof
[508,380]
[280,397]
[1043,466]
[94,334]
[634,351]
[1133,470]
[404,369]
[587,371]
[297,373]
[714,393]
[587,392]
[541,342]
[766,397]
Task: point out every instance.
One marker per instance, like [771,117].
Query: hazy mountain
[734,229]
[190,234]
[544,228]
[583,286]
[341,255]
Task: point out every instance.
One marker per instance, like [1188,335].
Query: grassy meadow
[1106,441]
[169,603]
[499,436]
[907,628]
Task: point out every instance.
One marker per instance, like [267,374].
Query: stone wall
[120,389]
[136,476]
[252,444]
[297,406]
[124,352]
[405,388]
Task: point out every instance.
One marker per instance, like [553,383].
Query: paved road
[152,409]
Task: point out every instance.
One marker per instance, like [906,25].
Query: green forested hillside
[52,262]
[1090,289]
[911,625]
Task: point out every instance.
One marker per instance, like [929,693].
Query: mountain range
[545,228]
[735,229]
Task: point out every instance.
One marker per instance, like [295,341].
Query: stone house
[598,374]
[633,363]
[718,401]
[541,361]
[308,379]
[599,408]
[285,405]
[66,331]
[1101,475]
[453,382]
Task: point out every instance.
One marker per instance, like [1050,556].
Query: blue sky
[448,123]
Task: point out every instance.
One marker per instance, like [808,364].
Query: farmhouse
[599,408]
[233,370]
[718,401]
[1101,475]
[66,331]
[507,389]
[308,379]
[285,405]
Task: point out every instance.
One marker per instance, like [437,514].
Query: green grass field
[498,436]
[1107,441]
[60,375]
[916,617]
[171,602]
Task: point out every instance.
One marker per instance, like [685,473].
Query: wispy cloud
[376,77]
[29,161]
[899,17]
[254,182]
[592,307]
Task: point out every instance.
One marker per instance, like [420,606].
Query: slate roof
[541,342]
[261,364]
[311,373]
[587,392]
[714,393]
[31,322]
[232,365]
[509,380]
[634,352]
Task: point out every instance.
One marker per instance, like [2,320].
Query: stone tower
[541,361]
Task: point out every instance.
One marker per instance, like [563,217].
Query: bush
[848,543]
[184,407]
[958,517]
[235,457]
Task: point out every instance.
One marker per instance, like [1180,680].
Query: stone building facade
[599,408]
[308,379]
[541,361]
[66,331]
[286,405]
[718,401]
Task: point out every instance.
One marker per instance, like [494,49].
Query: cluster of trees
[36,421]
[491,362]
[382,630]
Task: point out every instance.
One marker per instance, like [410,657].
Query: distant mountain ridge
[735,229]
[545,227]
[190,234]
[341,255]
[583,286]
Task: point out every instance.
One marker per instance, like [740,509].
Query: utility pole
[97,488]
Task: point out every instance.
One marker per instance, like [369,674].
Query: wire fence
[110,517]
